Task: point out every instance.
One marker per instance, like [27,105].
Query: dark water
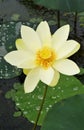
[7,109]
[13,10]
[16,10]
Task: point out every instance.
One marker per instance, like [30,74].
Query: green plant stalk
[58,18]
[75,23]
[41,106]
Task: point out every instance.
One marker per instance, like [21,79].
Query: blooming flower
[42,56]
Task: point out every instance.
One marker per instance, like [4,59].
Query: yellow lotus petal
[68,49]
[46,75]
[55,79]
[31,80]
[43,31]
[30,38]
[20,45]
[19,58]
[26,71]
[67,67]
[60,37]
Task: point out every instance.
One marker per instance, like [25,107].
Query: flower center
[45,57]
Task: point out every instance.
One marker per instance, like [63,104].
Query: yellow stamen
[45,57]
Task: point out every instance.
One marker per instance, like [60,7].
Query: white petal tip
[78,71]
[75,72]
[67,26]
[78,46]
[27,91]
[44,22]
[23,27]
[6,58]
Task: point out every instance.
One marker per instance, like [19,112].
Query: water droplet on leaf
[40,97]
[75,88]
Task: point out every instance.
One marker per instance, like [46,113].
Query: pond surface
[18,11]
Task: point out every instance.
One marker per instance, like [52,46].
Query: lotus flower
[43,56]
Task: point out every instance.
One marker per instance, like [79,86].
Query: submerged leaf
[8,35]
[17,114]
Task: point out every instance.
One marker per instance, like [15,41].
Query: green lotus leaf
[29,104]
[66,115]
[65,5]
